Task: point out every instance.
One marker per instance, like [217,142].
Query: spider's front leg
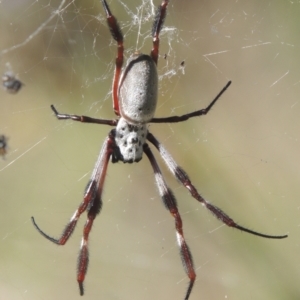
[92,203]
[170,203]
[182,177]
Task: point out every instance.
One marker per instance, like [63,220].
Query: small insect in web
[135,93]
[10,83]
[3,145]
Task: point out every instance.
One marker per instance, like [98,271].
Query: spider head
[130,140]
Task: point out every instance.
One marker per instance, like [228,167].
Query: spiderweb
[243,155]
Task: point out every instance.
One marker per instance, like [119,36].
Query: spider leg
[83,119]
[157,26]
[204,111]
[92,203]
[118,37]
[170,203]
[180,174]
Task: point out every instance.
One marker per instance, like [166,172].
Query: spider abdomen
[138,89]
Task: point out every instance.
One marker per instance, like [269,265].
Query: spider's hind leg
[157,26]
[117,35]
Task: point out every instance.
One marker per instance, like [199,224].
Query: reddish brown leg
[118,37]
[83,119]
[182,177]
[197,113]
[157,26]
[92,203]
[170,203]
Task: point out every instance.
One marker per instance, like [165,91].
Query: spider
[3,145]
[134,93]
[10,83]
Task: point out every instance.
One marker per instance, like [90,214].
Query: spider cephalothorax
[134,102]
[130,140]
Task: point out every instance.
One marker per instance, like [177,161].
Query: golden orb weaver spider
[134,94]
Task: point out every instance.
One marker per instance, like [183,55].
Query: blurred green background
[243,156]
